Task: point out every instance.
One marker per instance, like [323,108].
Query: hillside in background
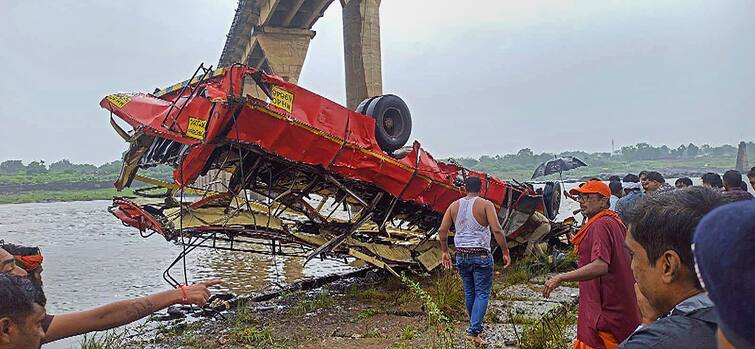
[17,176]
[683,160]
[14,172]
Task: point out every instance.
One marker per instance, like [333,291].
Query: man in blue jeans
[474,218]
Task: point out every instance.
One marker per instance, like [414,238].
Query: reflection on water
[92,259]
[247,273]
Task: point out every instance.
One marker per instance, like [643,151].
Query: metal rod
[173,104]
[344,188]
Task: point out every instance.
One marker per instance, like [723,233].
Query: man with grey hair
[676,312]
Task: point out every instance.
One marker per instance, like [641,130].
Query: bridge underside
[274,36]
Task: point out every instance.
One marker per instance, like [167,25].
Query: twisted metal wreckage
[294,159]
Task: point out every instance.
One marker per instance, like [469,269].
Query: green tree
[526,152]
[11,167]
[63,166]
[630,153]
[36,168]
[467,162]
[680,152]
[663,152]
[113,167]
[692,150]
[705,149]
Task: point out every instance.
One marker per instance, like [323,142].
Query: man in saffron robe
[608,311]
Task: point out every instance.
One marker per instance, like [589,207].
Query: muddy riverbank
[381,311]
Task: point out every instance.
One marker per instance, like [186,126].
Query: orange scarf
[30,262]
[577,239]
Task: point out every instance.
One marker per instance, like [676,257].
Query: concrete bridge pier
[285,49]
[361,42]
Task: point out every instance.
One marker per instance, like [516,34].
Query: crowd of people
[642,281]
[662,266]
[658,266]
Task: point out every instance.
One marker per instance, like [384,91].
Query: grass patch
[436,319]
[286,295]
[178,329]
[523,270]
[322,300]
[389,292]
[371,294]
[66,195]
[373,333]
[244,331]
[447,292]
[550,332]
[257,337]
[366,314]
[114,339]
[191,339]
[521,319]
[407,333]
[491,316]
[184,334]
[55,177]
[243,314]
[105,340]
[567,263]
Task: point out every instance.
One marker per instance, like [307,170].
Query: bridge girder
[254,16]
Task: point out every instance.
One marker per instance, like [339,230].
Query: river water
[91,259]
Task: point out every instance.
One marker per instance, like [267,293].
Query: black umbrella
[558,165]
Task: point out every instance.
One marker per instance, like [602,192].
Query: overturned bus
[265,166]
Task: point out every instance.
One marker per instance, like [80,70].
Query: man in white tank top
[474,218]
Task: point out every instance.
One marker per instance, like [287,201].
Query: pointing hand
[199,293]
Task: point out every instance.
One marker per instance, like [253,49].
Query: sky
[489,77]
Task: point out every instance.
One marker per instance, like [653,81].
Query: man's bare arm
[590,271]
[593,270]
[123,312]
[495,228]
[445,225]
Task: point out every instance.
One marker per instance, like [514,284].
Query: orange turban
[31,262]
